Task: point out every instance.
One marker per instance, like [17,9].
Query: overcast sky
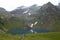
[12,4]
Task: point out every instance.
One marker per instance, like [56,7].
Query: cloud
[12,4]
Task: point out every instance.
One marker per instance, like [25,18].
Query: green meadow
[39,36]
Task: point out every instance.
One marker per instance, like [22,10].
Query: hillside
[46,16]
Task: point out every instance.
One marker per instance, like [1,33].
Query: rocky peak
[2,9]
[49,3]
[49,7]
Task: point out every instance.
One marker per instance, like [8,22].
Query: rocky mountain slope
[47,16]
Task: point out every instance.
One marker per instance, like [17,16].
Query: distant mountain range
[49,7]
[48,15]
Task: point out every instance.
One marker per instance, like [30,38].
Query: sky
[13,4]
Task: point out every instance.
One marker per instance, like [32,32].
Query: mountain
[4,12]
[48,16]
[19,11]
[49,10]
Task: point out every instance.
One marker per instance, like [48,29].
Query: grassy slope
[40,36]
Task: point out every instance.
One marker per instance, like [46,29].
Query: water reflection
[26,31]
